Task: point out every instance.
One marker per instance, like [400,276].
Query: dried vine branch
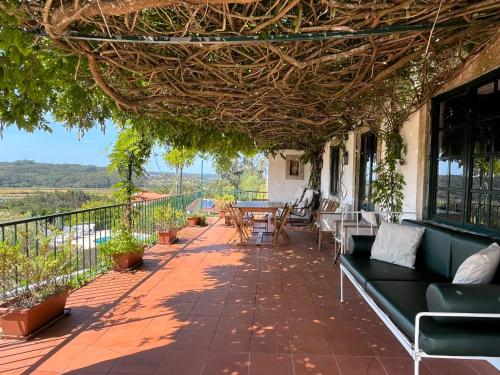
[287,93]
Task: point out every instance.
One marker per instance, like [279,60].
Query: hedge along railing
[87,228]
[239,195]
[250,195]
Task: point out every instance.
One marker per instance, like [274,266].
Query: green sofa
[404,297]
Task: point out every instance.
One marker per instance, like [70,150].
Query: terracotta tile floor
[203,306]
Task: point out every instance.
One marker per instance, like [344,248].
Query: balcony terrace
[204,306]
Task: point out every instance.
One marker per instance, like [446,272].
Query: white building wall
[349,173]
[279,189]
[325,172]
[410,132]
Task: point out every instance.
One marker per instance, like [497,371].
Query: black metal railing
[248,195]
[86,229]
[238,195]
[207,201]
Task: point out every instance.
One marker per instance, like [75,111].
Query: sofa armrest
[361,245]
[461,298]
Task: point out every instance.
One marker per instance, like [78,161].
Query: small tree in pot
[34,286]
[127,158]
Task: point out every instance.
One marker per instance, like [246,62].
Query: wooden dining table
[258,206]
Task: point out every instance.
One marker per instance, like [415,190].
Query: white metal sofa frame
[412,348]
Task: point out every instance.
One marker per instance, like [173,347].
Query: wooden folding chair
[325,203]
[279,223]
[324,218]
[239,224]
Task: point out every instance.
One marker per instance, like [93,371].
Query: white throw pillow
[397,244]
[479,268]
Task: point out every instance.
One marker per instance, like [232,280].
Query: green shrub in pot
[125,250]
[34,283]
[168,221]
[203,218]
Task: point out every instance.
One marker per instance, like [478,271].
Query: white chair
[297,197]
[302,212]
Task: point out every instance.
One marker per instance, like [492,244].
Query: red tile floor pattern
[203,306]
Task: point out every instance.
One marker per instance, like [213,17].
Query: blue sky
[63,146]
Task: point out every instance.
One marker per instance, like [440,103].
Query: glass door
[367,166]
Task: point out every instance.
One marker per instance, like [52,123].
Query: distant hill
[27,173]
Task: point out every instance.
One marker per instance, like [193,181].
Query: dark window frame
[334,170]
[469,122]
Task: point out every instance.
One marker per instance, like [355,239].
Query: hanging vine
[313,154]
[277,88]
[389,186]
[390,183]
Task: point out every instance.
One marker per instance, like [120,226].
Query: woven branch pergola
[284,71]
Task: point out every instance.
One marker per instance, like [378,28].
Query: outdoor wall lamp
[346,158]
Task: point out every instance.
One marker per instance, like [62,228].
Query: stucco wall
[348,172]
[325,172]
[280,189]
[410,134]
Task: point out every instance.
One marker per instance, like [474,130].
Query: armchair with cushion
[302,211]
[297,197]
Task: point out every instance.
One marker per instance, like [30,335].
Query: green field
[22,203]
[15,193]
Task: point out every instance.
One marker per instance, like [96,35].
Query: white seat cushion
[397,244]
[307,198]
[299,193]
[303,203]
[479,268]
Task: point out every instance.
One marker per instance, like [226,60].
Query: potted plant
[202,219]
[125,250]
[34,286]
[193,220]
[167,224]
[221,203]
[198,218]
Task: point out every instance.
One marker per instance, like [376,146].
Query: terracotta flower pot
[222,214]
[128,260]
[167,237]
[21,322]
[193,221]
